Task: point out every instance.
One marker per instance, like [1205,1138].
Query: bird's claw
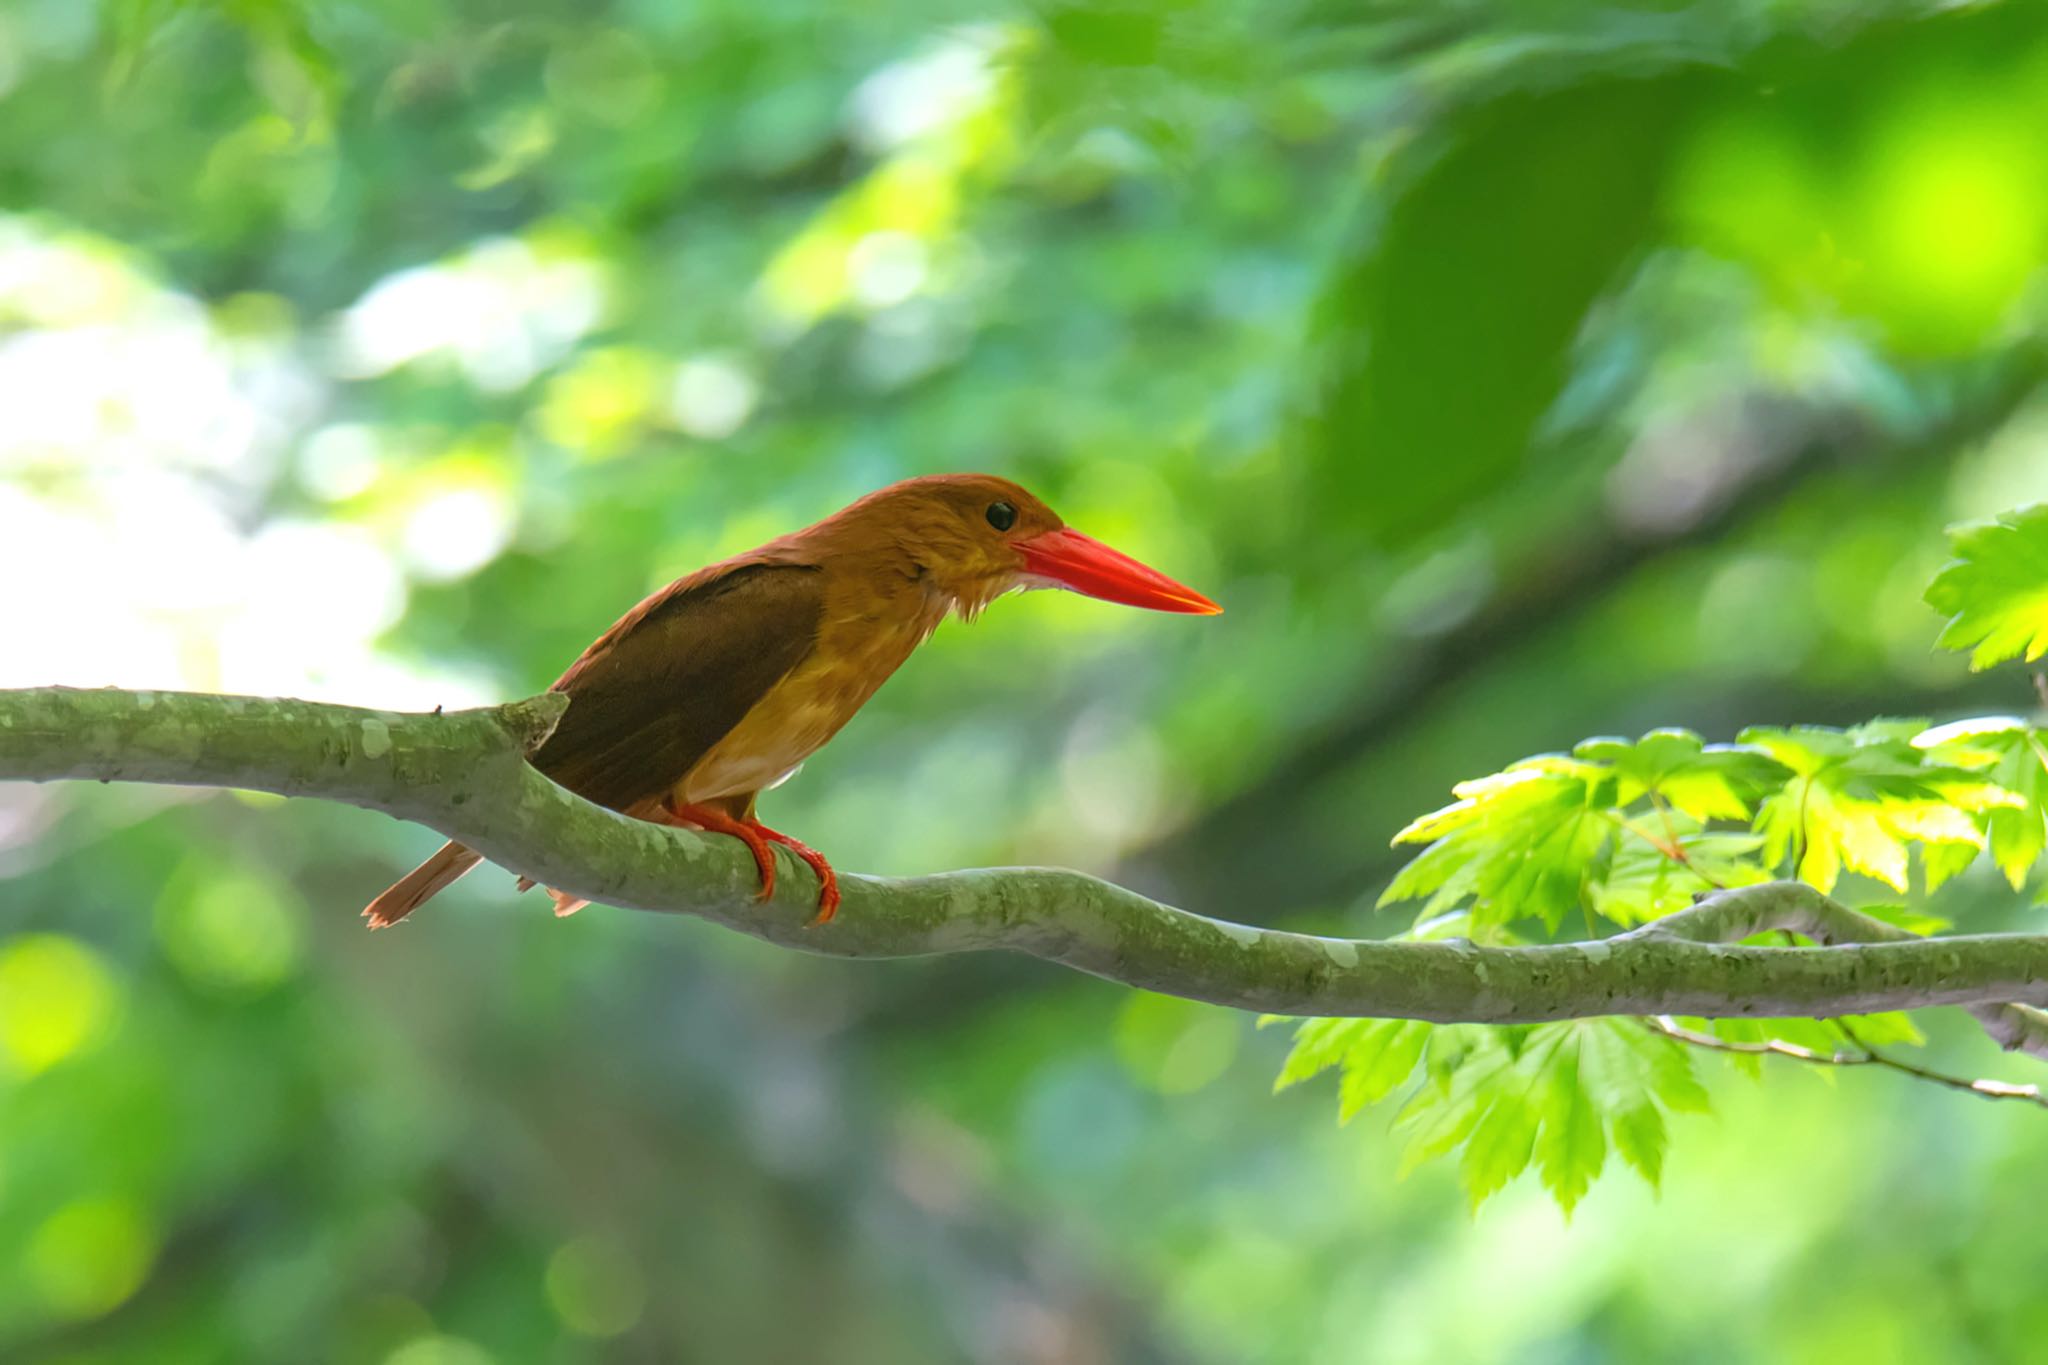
[828,880]
[759,840]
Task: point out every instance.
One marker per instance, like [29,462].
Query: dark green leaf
[1483,271]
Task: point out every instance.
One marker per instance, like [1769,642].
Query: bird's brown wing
[675,675]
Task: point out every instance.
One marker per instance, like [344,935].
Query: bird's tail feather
[417,886]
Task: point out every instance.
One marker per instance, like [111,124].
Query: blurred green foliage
[1514,373]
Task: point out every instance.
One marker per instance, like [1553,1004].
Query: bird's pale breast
[856,653]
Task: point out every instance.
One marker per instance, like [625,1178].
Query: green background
[1513,372]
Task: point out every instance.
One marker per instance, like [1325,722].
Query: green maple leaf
[1464,1087]
[1905,917]
[1571,1150]
[1521,842]
[1678,768]
[1995,591]
[1859,799]
[1553,833]
[2010,753]
[1635,1076]
[1379,1063]
[1559,1097]
[1500,1145]
[1375,1055]
[1644,882]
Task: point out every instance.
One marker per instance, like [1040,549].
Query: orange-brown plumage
[721,684]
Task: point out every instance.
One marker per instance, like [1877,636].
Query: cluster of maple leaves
[1619,832]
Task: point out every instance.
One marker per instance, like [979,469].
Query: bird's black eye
[1001,515]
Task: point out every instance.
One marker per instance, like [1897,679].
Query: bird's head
[974,537]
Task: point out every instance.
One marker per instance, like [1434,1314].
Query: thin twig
[1677,845]
[1865,1055]
[1676,1031]
[1989,1089]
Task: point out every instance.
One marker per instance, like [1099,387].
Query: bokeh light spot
[237,934]
[452,532]
[711,398]
[501,310]
[439,1350]
[90,1256]
[56,999]
[595,1288]
[339,462]
[1953,219]
[1174,1046]
[598,405]
[886,268]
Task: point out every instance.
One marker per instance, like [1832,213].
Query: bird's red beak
[1087,566]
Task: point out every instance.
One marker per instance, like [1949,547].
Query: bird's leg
[757,837]
[707,819]
[714,821]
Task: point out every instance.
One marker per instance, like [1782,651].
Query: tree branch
[465,775]
[1726,918]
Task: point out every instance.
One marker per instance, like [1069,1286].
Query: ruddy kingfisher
[718,686]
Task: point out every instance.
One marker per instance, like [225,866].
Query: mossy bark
[464,774]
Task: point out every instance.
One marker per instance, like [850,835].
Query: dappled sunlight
[935,121]
[140,435]
[108,373]
[711,397]
[501,312]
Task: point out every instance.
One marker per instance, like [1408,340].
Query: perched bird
[720,685]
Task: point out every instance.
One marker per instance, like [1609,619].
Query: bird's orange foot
[758,838]
[828,880]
